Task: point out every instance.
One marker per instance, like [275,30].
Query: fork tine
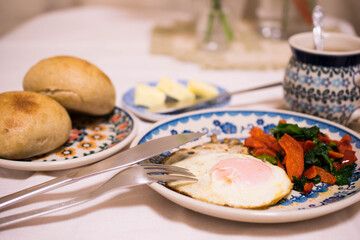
[169,178]
[167,171]
[162,166]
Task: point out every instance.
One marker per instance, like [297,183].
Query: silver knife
[179,107]
[125,158]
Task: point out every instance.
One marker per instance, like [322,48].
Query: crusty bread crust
[75,83]
[31,124]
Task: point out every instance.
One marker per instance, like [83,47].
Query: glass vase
[215,28]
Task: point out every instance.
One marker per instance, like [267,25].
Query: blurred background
[15,12]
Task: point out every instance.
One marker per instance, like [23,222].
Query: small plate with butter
[145,96]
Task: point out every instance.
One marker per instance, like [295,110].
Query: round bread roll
[31,124]
[75,83]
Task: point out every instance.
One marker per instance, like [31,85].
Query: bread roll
[75,83]
[31,124]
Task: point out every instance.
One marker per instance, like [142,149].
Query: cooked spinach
[319,156]
[343,175]
[295,131]
[300,182]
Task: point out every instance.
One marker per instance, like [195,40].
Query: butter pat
[148,96]
[202,89]
[175,90]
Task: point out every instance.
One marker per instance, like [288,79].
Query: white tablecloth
[118,42]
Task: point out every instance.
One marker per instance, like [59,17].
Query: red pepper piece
[259,139]
[335,155]
[337,166]
[308,145]
[325,176]
[294,156]
[323,137]
[308,187]
[255,131]
[264,151]
[344,144]
[254,143]
[275,146]
[310,173]
[349,158]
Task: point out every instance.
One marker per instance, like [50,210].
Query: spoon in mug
[318,18]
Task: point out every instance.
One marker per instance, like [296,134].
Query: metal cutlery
[134,175]
[318,33]
[117,161]
[177,107]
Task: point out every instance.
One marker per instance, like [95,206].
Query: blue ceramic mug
[324,83]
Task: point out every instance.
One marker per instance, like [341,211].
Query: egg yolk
[241,171]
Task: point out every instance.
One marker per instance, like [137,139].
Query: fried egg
[230,178]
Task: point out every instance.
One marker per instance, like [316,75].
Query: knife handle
[34,190]
[71,177]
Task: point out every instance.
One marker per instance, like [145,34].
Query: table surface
[118,42]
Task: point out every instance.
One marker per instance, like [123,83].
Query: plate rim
[249,215]
[77,162]
[158,117]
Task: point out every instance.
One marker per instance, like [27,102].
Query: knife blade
[120,160]
[179,107]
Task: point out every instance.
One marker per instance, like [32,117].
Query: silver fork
[128,177]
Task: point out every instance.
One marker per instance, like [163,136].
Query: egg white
[213,190]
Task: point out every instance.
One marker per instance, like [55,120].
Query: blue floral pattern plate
[91,139]
[236,123]
[128,103]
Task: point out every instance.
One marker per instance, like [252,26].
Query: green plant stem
[216,9]
[227,28]
[210,26]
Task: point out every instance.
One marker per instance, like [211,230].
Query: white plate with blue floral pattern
[128,103]
[236,123]
[91,139]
